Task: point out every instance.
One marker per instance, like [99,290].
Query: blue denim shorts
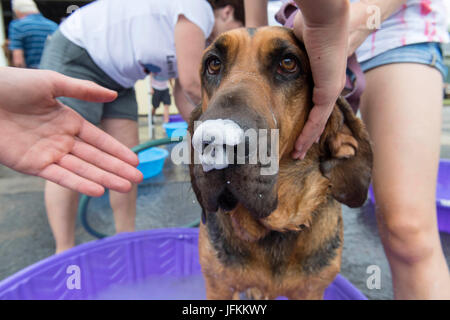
[428,53]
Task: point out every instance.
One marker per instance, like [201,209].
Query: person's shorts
[160,96]
[428,53]
[63,56]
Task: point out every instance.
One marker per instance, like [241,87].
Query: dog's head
[257,89]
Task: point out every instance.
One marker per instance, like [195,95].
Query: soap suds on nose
[210,139]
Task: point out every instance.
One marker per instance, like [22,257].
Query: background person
[402,108]
[160,93]
[115,43]
[7,52]
[27,34]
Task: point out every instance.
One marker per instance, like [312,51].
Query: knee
[408,231]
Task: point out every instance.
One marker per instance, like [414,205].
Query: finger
[305,141]
[311,131]
[94,174]
[106,143]
[106,162]
[64,86]
[67,179]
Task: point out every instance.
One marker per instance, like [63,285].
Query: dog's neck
[302,189]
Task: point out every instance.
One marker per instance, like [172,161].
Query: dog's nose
[214,139]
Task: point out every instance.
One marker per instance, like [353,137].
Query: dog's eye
[288,65]
[214,65]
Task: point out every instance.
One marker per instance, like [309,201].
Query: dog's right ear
[346,156]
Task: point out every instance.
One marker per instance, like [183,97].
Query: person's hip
[428,53]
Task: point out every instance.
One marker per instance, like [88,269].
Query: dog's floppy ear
[346,156]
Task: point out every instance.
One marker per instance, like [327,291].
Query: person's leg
[156,101]
[61,205]
[123,204]
[166,113]
[402,108]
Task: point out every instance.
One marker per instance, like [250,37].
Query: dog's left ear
[346,156]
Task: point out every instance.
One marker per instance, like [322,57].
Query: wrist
[323,13]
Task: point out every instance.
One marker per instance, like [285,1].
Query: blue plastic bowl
[176,129]
[151,161]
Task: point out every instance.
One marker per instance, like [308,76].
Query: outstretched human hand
[41,136]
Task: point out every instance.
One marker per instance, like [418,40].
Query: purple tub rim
[91,246]
[340,283]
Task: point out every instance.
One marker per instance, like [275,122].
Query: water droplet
[228,182]
[260,195]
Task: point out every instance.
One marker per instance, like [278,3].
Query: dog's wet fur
[281,234]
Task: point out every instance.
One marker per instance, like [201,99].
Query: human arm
[18,58]
[255,13]
[184,106]
[190,43]
[364,15]
[323,27]
[16,45]
[41,136]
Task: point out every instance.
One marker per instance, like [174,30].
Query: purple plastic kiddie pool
[442,196]
[155,264]
[176,118]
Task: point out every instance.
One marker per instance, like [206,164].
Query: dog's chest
[278,252]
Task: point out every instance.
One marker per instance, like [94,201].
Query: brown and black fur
[278,235]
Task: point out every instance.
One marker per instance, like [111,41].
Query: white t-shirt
[415,22]
[127,38]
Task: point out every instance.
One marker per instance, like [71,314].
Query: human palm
[41,136]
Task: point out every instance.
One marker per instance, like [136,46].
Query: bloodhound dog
[279,233]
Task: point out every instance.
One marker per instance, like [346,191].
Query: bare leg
[61,205]
[216,289]
[166,113]
[123,204]
[402,109]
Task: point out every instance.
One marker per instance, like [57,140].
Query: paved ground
[168,201]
